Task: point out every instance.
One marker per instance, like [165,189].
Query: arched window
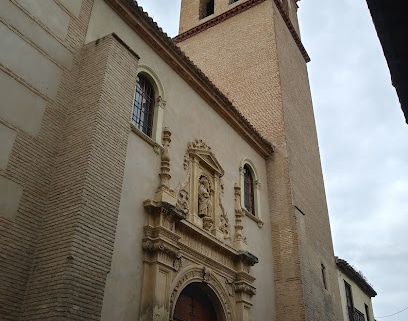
[143,106]
[249,190]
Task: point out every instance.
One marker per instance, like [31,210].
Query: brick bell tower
[251,49]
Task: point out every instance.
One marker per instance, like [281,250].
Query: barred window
[249,194]
[143,106]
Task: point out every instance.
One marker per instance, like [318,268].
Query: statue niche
[204,197]
[199,196]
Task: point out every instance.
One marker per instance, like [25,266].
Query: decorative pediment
[208,160]
[202,152]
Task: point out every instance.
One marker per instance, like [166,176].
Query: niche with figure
[199,196]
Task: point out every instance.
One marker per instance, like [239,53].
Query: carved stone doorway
[194,304]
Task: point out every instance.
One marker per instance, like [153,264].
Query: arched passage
[197,302]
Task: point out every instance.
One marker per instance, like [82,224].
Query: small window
[249,190]
[349,295]
[233,1]
[206,8]
[143,106]
[324,276]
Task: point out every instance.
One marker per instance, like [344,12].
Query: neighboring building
[391,25]
[356,293]
[133,187]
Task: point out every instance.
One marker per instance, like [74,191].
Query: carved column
[162,259]
[243,285]
[164,193]
[193,215]
[239,238]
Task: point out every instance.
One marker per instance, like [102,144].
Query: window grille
[143,106]
[249,194]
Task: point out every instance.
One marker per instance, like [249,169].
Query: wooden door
[193,304]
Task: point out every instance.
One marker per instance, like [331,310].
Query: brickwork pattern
[75,247]
[31,165]
[247,53]
[306,182]
[254,60]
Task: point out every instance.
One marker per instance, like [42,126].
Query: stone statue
[204,199]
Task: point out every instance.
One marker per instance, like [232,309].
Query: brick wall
[75,246]
[306,179]
[34,152]
[254,60]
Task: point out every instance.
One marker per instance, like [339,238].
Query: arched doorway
[194,304]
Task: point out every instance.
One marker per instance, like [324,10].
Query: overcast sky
[363,141]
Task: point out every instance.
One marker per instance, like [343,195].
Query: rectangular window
[367,312]
[350,304]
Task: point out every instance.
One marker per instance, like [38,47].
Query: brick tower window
[206,8]
[143,106]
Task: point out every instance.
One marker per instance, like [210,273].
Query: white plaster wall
[32,58]
[188,117]
[123,286]
[359,297]
[31,30]
[28,63]
[48,13]
[74,6]
[7,138]
[10,196]
[19,104]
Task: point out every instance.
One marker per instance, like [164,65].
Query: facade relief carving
[240,242]
[199,274]
[204,197]
[224,225]
[199,196]
[188,238]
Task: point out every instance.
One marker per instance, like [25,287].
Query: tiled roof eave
[165,47]
[348,270]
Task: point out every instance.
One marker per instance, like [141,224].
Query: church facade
[149,178]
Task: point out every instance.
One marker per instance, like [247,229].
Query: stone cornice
[237,10]
[292,31]
[167,49]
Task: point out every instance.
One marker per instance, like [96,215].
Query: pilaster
[75,246]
